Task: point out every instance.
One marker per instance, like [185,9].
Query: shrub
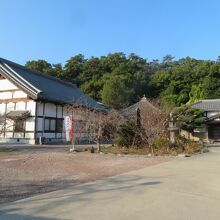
[192,147]
[128,135]
[162,146]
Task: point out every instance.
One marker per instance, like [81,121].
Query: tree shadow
[10,216]
[109,189]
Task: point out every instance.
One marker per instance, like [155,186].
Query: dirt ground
[31,171]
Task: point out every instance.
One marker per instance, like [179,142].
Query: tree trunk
[99,138]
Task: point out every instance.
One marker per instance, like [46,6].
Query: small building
[139,110]
[34,105]
[210,132]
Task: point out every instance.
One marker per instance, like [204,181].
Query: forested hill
[118,80]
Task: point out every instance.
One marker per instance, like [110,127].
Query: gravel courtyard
[34,170]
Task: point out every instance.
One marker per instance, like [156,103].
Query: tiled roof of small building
[39,86]
[143,106]
[208,104]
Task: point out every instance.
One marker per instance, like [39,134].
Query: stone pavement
[183,189]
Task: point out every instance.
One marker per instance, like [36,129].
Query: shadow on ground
[83,194]
[6,216]
[31,188]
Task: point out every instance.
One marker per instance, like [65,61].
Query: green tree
[116,94]
[211,83]
[188,118]
[74,68]
[45,67]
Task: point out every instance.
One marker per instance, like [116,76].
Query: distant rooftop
[208,104]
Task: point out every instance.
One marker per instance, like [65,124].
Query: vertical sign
[69,128]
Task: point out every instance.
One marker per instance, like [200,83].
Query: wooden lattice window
[19,125]
[49,125]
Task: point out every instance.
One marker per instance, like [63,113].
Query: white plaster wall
[2,108]
[19,94]
[29,135]
[10,106]
[9,134]
[40,124]
[20,106]
[50,110]
[19,135]
[59,111]
[31,106]
[6,85]
[30,124]
[40,109]
[12,94]
[6,95]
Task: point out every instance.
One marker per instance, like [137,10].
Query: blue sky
[55,30]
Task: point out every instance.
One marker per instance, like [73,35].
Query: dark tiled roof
[46,88]
[208,105]
[144,105]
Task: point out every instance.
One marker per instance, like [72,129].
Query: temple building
[35,106]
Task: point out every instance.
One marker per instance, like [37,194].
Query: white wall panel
[31,106]
[9,134]
[39,124]
[20,105]
[19,135]
[6,85]
[6,95]
[10,106]
[2,108]
[50,110]
[19,94]
[30,124]
[59,112]
[40,107]
[29,135]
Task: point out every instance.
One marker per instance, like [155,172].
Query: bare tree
[108,125]
[7,120]
[151,121]
[2,124]
[93,124]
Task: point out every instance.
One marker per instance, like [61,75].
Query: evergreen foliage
[188,118]
[118,80]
